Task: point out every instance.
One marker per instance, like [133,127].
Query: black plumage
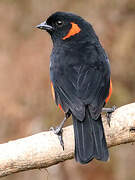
[80,74]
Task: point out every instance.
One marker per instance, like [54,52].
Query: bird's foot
[109,112]
[59,132]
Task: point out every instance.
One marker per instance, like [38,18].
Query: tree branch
[43,150]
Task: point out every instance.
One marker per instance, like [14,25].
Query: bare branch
[43,150]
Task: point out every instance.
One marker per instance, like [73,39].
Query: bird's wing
[82,84]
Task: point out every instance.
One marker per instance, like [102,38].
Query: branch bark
[43,150]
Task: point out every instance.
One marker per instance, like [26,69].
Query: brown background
[26,104]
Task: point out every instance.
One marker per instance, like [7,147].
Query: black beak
[44,26]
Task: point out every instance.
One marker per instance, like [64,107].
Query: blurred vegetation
[26,103]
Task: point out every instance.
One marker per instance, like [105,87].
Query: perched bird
[80,80]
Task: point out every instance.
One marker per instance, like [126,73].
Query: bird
[80,81]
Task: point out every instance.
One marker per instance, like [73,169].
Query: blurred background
[26,105]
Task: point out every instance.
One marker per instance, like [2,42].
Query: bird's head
[66,26]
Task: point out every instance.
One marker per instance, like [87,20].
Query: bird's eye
[59,23]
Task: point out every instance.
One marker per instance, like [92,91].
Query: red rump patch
[53,94]
[60,107]
[110,92]
[74,30]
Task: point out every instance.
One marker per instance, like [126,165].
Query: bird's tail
[90,139]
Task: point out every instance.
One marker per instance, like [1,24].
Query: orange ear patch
[74,30]
[110,92]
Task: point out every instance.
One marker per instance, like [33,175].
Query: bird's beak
[44,26]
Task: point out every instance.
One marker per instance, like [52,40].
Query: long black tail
[90,139]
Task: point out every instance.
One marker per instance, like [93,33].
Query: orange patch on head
[74,30]
[110,92]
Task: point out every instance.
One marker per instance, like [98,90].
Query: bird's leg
[109,112]
[59,131]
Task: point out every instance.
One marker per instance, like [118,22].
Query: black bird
[80,79]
